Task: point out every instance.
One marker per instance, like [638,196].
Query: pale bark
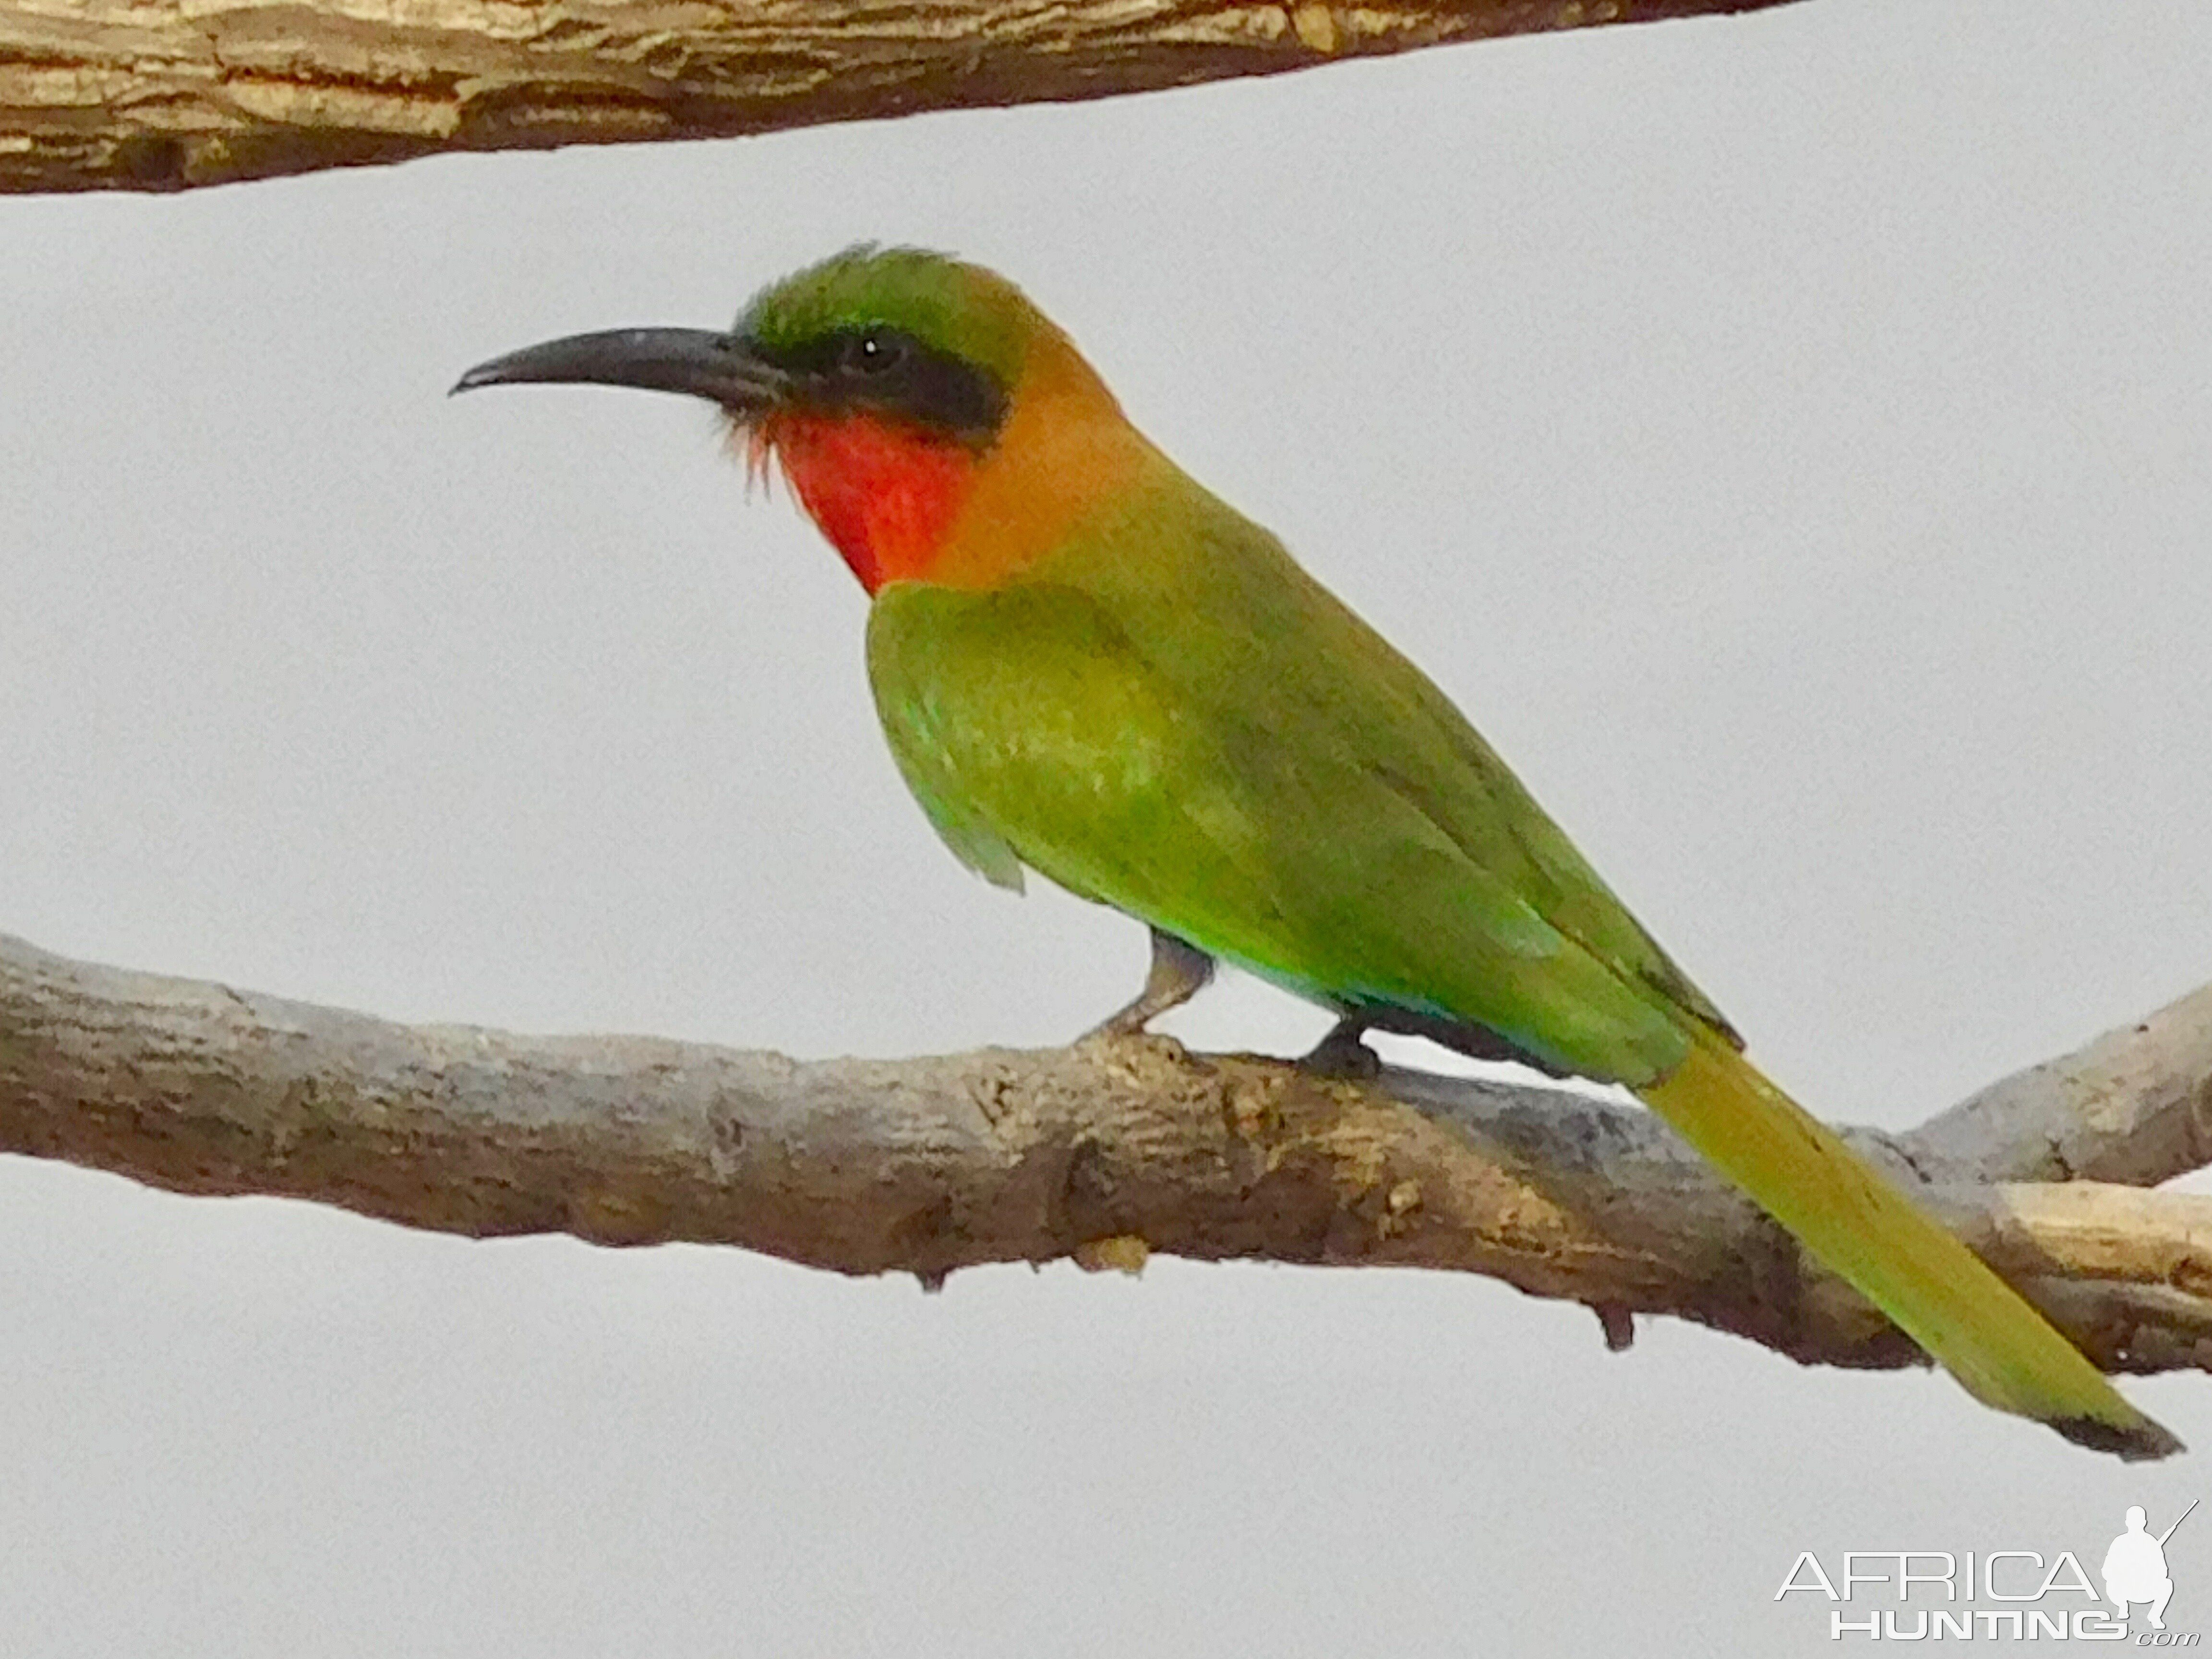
[163,94]
[1103,1152]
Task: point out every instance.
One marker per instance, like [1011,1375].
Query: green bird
[1090,666]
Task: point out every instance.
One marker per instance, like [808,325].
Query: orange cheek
[886,495]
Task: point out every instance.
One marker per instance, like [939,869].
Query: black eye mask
[889,370]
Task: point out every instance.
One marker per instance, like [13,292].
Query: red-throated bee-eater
[1089,666]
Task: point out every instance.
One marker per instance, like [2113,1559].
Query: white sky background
[1790,439]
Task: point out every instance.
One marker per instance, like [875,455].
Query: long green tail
[1863,1228]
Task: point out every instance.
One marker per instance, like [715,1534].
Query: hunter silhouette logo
[2135,1566]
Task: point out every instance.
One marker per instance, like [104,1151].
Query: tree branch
[2135,1106]
[164,94]
[1102,1152]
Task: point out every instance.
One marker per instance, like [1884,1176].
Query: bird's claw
[1342,1054]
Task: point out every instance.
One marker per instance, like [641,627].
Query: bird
[1088,666]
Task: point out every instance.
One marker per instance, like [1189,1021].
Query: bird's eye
[874,352]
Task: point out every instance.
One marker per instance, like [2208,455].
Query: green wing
[1169,717]
[1032,734]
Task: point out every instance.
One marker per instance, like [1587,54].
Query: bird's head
[932,421]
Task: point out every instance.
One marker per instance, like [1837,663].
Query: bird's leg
[1341,1054]
[1179,972]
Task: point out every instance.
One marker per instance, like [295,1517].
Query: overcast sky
[1789,438]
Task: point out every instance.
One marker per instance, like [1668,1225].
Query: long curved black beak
[721,368]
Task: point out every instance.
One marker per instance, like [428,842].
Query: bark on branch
[163,94]
[1104,1151]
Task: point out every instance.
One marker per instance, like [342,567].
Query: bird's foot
[1179,972]
[1342,1054]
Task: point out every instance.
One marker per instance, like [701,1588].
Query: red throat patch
[885,494]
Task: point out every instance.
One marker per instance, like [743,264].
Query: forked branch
[1102,1152]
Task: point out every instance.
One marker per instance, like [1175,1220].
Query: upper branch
[1100,1152]
[163,94]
